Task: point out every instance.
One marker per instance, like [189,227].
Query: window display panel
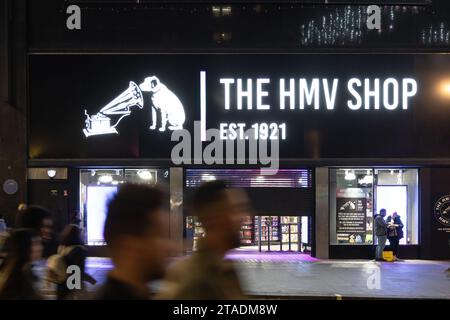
[97,200]
[304,234]
[351,206]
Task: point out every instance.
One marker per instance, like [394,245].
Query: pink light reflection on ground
[270,256]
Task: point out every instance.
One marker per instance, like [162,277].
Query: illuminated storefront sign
[252,94]
[321,106]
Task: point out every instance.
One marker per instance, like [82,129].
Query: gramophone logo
[165,105]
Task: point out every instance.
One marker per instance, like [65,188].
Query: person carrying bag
[395,232]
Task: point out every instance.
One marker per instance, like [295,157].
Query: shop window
[97,186]
[357,194]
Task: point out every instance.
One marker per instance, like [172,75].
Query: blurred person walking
[39,219]
[17,281]
[135,232]
[380,227]
[395,232]
[206,274]
[71,252]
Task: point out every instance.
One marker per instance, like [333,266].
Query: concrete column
[176,221]
[322,215]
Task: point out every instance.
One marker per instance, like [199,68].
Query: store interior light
[368,179]
[350,175]
[51,173]
[145,175]
[208,177]
[392,172]
[400,177]
[92,173]
[105,178]
[115,182]
[444,88]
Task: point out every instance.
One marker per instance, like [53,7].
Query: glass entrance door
[267,233]
[290,233]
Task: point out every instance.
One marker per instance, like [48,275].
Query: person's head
[36,218]
[23,246]
[383,212]
[394,214]
[221,210]
[71,236]
[136,231]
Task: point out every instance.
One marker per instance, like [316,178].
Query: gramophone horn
[129,98]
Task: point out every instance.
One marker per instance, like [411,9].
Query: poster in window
[351,220]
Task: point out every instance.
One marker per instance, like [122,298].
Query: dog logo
[164,103]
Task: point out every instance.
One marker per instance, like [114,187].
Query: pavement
[299,276]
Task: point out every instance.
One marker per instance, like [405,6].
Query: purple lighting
[270,256]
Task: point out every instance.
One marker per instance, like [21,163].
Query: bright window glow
[208,177]
[105,179]
[145,175]
[304,230]
[97,199]
[394,198]
[350,175]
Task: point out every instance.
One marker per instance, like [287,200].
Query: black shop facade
[321,142]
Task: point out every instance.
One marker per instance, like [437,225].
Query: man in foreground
[135,233]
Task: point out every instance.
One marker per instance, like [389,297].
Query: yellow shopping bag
[388,255]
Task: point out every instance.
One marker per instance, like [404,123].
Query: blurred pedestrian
[395,232]
[39,219]
[381,233]
[72,252]
[206,274]
[136,233]
[76,219]
[17,281]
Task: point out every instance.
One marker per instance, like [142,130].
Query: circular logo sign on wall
[442,210]
[10,186]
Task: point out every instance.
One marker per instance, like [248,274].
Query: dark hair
[71,236]
[382,210]
[207,194]
[32,217]
[129,210]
